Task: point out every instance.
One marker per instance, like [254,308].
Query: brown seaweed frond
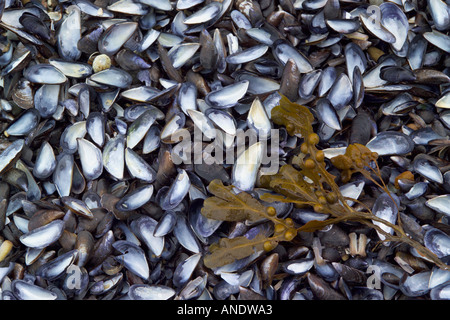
[311,184]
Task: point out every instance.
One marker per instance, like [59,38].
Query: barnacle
[305,183]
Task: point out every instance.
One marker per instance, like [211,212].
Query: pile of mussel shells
[95,204]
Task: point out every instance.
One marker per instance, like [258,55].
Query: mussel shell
[150,292]
[12,17]
[95,127]
[91,159]
[113,77]
[284,51]
[144,228]
[223,120]
[138,167]
[327,78]
[115,37]
[391,143]
[205,14]
[43,236]
[169,133]
[344,26]
[172,197]
[93,10]
[186,4]
[163,5]
[24,124]
[308,84]
[202,122]
[24,290]
[299,266]
[438,39]
[135,199]
[166,224]
[23,94]
[440,204]
[139,128]
[247,55]
[354,57]
[141,94]
[416,52]
[386,209]
[427,169]
[182,53]
[131,61]
[441,293]
[185,236]
[258,120]
[341,93]
[328,114]
[77,206]
[415,285]
[396,74]
[45,162]
[227,96]
[128,7]
[68,140]
[201,225]
[57,267]
[63,174]
[69,33]
[395,20]
[88,42]
[185,269]
[133,258]
[440,14]
[17,64]
[72,69]
[187,97]
[46,99]
[246,167]
[257,85]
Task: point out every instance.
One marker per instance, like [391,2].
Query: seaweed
[307,182]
